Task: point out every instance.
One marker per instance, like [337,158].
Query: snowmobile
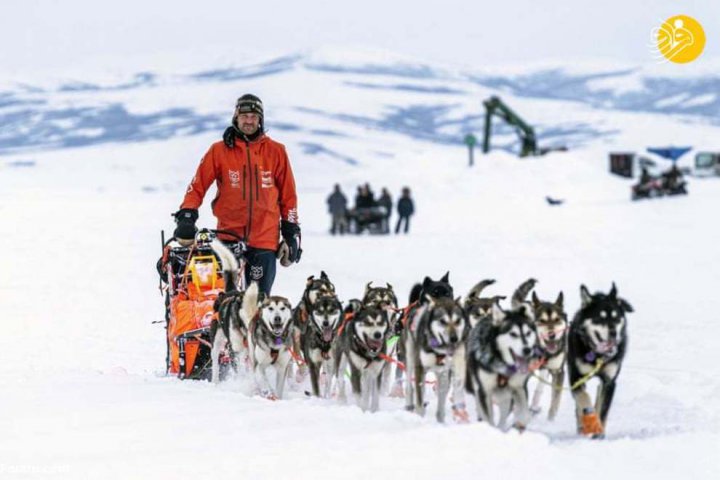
[666,184]
[652,187]
[191,280]
[367,218]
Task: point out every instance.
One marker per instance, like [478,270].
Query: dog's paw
[460,414]
[397,390]
[519,426]
[535,410]
[591,426]
[268,395]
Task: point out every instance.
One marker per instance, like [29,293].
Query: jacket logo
[266,177]
[234,178]
[256,272]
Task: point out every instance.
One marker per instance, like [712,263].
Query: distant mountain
[411,99]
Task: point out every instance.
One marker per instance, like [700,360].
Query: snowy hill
[92,167]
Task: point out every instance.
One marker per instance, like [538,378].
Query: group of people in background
[369,213]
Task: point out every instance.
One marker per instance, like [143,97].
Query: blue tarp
[671,153]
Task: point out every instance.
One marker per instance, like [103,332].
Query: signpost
[470,140]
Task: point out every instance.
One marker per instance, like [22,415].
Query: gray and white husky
[269,341]
[318,341]
[361,345]
[551,323]
[597,342]
[435,342]
[229,332]
[500,352]
[385,298]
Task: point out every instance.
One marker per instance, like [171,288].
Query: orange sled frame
[191,279]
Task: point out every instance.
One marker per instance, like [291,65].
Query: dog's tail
[520,296]
[230,265]
[415,293]
[477,289]
[250,304]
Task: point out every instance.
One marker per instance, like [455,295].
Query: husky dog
[435,342]
[499,354]
[419,296]
[385,298]
[318,341]
[551,324]
[361,346]
[432,288]
[477,307]
[597,339]
[228,332]
[314,289]
[269,341]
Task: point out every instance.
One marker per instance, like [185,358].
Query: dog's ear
[625,305]
[368,287]
[446,277]
[389,287]
[585,296]
[323,275]
[535,300]
[426,282]
[497,314]
[559,300]
[309,280]
[613,292]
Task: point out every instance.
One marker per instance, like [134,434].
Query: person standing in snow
[385,201]
[256,197]
[337,205]
[405,208]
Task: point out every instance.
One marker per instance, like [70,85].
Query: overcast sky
[52,34]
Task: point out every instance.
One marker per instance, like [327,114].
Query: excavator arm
[496,107]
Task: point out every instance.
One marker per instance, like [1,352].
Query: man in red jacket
[256,196]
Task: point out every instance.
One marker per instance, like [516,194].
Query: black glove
[185,219]
[229,136]
[291,234]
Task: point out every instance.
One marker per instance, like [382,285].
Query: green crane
[495,106]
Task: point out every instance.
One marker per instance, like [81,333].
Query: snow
[84,394]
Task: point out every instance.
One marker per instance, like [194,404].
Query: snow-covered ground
[83,391]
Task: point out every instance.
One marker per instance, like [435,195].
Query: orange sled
[192,280]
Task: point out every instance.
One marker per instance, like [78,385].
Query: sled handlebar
[206,235]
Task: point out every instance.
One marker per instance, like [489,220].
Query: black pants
[260,267]
[399,223]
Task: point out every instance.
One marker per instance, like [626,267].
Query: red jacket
[256,188]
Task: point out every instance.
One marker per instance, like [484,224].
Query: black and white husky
[435,342]
[551,323]
[270,340]
[478,307]
[596,347]
[500,352]
[318,341]
[234,310]
[419,295]
[361,346]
